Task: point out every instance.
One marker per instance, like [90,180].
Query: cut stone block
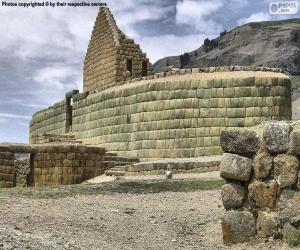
[276,137]
[239,142]
[232,195]
[263,194]
[267,224]
[286,168]
[262,164]
[235,167]
[238,226]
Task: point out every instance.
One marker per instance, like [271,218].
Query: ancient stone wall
[109,52]
[52,120]
[54,164]
[262,193]
[66,164]
[179,115]
[7,178]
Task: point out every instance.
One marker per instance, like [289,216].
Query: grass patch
[294,241]
[122,187]
[295,81]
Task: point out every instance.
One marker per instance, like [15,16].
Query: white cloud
[56,76]
[197,14]
[256,17]
[15,116]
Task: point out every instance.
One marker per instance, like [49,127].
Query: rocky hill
[270,44]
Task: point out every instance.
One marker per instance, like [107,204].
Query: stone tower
[111,56]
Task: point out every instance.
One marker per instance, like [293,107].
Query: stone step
[120,158]
[116,171]
[180,165]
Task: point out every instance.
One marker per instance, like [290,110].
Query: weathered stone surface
[263,194]
[232,195]
[286,168]
[289,205]
[294,144]
[276,137]
[237,226]
[267,224]
[291,235]
[235,167]
[262,165]
[239,142]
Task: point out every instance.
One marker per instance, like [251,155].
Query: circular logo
[274,7]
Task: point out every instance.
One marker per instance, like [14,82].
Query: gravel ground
[166,220]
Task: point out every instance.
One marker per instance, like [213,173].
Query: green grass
[122,186]
[295,81]
[294,241]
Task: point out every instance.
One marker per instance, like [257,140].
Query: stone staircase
[116,171]
[158,167]
[118,164]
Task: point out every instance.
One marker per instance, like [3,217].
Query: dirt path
[166,220]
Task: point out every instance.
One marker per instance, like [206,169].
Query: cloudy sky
[42,49]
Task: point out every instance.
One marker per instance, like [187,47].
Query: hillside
[270,44]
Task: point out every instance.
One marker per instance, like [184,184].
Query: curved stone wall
[51,120]
[179,115]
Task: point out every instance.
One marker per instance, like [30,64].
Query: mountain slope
[270,44]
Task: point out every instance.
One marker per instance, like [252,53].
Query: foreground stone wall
[179,115]
[66,164]
[7,178]
[54,164]
[262,193]
[52,120]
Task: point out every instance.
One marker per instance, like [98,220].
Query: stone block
[239,142]
[238,226]
[263,165]
[294,143]
[232,195]
[276,137]
[263,194]
[235,167]
[267,224]
[286,168]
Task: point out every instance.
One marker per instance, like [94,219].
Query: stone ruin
[262,191]
[126,114]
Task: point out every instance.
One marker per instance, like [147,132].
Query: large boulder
[238,226]
[239,141]
[267,224]
[232,195]
[286,168]
[262,165]
[263,194]
[276,136]
[235,167]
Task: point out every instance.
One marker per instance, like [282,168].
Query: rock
[239,142]
[237,226]
[291,235]
[286,168]
[267,224]
[235,167]
[294,144]
[232,195]
[276,136]
[263,194]
[289,205]
[262,165]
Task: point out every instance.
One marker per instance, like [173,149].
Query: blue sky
[42,49]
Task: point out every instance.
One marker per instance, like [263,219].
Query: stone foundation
[261,168]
